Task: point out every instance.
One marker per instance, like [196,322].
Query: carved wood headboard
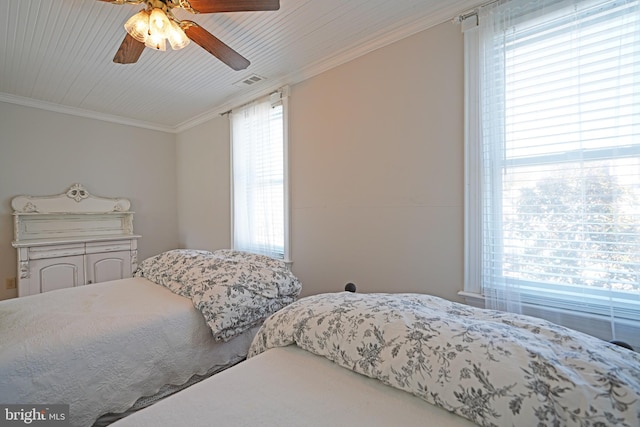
[71,216]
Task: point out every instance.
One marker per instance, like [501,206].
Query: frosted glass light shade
[159,22]
[138,26]
[177,38]
[156,41]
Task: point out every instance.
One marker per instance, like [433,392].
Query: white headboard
[75,215]
[75,199]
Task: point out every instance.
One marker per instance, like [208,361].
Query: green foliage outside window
[576,228]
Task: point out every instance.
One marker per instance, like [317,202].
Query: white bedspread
[291,387]
[99,352]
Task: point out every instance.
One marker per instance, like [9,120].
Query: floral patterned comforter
[233,290]
[493,368]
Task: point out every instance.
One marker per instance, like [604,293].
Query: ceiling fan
[156,24]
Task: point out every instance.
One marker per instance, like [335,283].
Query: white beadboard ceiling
[57,54]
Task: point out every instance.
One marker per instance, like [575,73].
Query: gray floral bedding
[493,368]
[234,290]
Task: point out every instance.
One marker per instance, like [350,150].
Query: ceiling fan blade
[219,6]
[214,46]
[129,51]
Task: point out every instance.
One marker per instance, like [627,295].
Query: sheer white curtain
[258,178]
[553,161]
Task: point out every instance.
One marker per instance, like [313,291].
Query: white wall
[204,185]
[376,151]
[43,153]
[377,170]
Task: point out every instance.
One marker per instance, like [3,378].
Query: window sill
[472,299]
[595,325]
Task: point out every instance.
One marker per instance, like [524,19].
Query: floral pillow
[233,290]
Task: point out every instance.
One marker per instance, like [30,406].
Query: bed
[111,348]
[411,359]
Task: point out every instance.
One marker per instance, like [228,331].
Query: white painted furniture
[72,239]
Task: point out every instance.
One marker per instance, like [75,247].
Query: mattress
[288,386]
[101,347]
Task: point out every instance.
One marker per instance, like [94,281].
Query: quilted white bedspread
[286,387]
[99,352]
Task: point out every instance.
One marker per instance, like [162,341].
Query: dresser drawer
[40,252]
[110,246]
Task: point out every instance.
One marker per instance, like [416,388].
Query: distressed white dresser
[72,239]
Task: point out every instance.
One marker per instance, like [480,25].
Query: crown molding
[376,41]
[50,106]
[232,103]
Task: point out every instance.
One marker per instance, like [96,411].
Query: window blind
[558,157]
[258,178]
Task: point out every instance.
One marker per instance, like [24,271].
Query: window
[553,160]
[259,177]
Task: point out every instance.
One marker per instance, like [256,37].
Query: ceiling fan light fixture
[156,24]
[138,26]
[177,37]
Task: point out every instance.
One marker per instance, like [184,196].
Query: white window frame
[535,302]
[279,97]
